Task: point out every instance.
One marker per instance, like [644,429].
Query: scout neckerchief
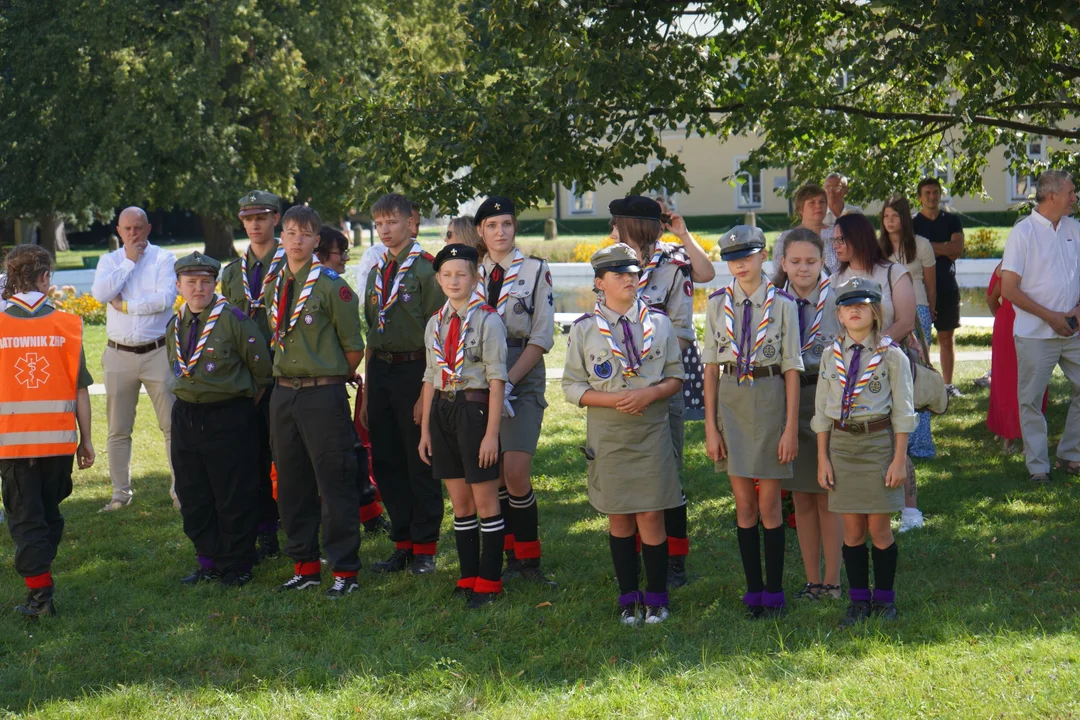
[630,366]
[187,366]
[847,402]
[508,282]
[453,367]
[745,365]
[646,272]
[277,342]
[20,300]
[414,252]
[807,339]
[254,303]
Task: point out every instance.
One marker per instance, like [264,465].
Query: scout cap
[741,241]
[635,206]
[619,258]
[456,251]
[494,205]
[197,264]
[858,290]
[259,201]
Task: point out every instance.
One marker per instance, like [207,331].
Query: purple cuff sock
[653,599]
[628,599]
[884,596]
[268,526]
[858,594]
[772,600]
[752,599]
[206,563]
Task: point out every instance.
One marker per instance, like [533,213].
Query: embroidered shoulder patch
[240,314]
[345,293]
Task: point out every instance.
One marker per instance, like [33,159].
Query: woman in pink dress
[1003,415]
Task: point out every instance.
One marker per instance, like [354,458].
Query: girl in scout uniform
[222,367]
[664,285]
[803,275]
[459,435]
[519,288]
[623,365]
[752,410]
[44,419]
[863,414]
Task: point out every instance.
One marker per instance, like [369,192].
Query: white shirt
[3,284]
[1048,263]
[830,219]
[148,287]
[371,258]
[924,258]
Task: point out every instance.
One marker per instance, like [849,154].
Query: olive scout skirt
[752,421]
[804,469]
[859,465]
[521,433]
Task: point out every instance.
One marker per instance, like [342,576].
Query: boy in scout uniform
[519,288]
[752,410]
[401,295]
[242,283]
[623,364]
[317,343]
[459,435]
[44,419]
[222,366]
[864,412]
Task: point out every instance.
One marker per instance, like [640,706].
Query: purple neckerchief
[193,337]
[802,303]
[632,354]
[255,277]
[746,343]
[852,380]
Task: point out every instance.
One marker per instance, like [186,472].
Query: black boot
[39,601]
[377,526]
[398,561]
[268,547]
[530,570]
[676,571]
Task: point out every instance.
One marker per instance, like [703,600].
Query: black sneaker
[397,562]
[267,546]
[39,601]
[630,615]
[530,570]
[857,612]
[377,526]
[462,592]
[885,611]
[236,578]
[300,582]
[655,614]
[479,600]
[512,567]
[342,587]
[676,571]
[201,575]
[771,613]
[423,564]
[754,612]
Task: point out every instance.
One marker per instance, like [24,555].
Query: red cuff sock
[370,511]
[529,550]
[508,542]
[309,568]
[487,586]
[678,546]
[424,548]
[36,582]
[637,541]
[403,545]
[345,573]
[468,583]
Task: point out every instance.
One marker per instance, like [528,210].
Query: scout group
[801,390]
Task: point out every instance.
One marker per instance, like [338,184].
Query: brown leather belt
[862,428]
[767,371]
[138,349]
[517,342]
[805,380]
[476,396]
[297,383]
[394,358]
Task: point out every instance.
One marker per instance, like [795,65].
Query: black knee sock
[491,545]
[774,559]
[857,563]
[655,560]
[625,558]
[504,507]
[884,567]
[526,517]
[750,550]
[675,524]
[467,536]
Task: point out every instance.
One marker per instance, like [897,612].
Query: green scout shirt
[485,348]
[418,299]
[328,326]
[84,379]
[232,287]
[235,361]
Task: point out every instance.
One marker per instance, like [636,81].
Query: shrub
[85,306]
[981,243]
[584,251]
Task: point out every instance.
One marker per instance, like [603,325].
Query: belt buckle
[451,395]
[297,383]
[858,428]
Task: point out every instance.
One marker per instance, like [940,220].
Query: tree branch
[944,118]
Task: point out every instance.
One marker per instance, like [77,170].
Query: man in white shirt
[139,285]
[1040,276]
[836,187]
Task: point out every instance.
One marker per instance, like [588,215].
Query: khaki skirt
[752,421]
[859,465]
[521,433]
[804,469]
[631,461]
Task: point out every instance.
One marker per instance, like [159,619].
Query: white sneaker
[910,519]
[654,615]
[116,505]
[630,615]
[953,391]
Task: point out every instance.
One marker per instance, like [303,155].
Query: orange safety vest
[39,371]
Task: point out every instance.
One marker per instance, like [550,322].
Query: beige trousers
[1035,361]
[125,374]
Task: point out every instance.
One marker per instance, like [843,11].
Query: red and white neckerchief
[382,300]
[507,284]
[842,375]
[277,342]
[254,303]
[824,288]
[745,366]
[452,367]
[187,366]
[630,365]
[646,272]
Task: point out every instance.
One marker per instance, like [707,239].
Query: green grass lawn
[987,593]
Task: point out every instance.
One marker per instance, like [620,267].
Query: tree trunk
[51,234]
[218,237]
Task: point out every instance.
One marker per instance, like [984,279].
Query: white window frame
[1038,153]
[672,199]
[587,200]
[738,173]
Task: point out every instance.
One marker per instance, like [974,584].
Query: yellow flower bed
[85,306]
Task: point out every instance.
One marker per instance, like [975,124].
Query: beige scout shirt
[530,309]
[670,289]
[889,392]
[827,331]
[781,346]
[590,364]
[485,349]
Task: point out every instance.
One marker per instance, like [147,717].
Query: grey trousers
[1035,361]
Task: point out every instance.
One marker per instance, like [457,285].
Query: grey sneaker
[116,505]
[953,391]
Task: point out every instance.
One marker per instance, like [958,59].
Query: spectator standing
[811,205]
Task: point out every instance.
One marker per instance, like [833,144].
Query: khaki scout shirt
[781,346]
[889,392]
[826,333]
[232,287]
[530,309]
[328,327]
[235,361]
[590,364]
[485,349]
[670,289]
[406,320]
[84,379]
